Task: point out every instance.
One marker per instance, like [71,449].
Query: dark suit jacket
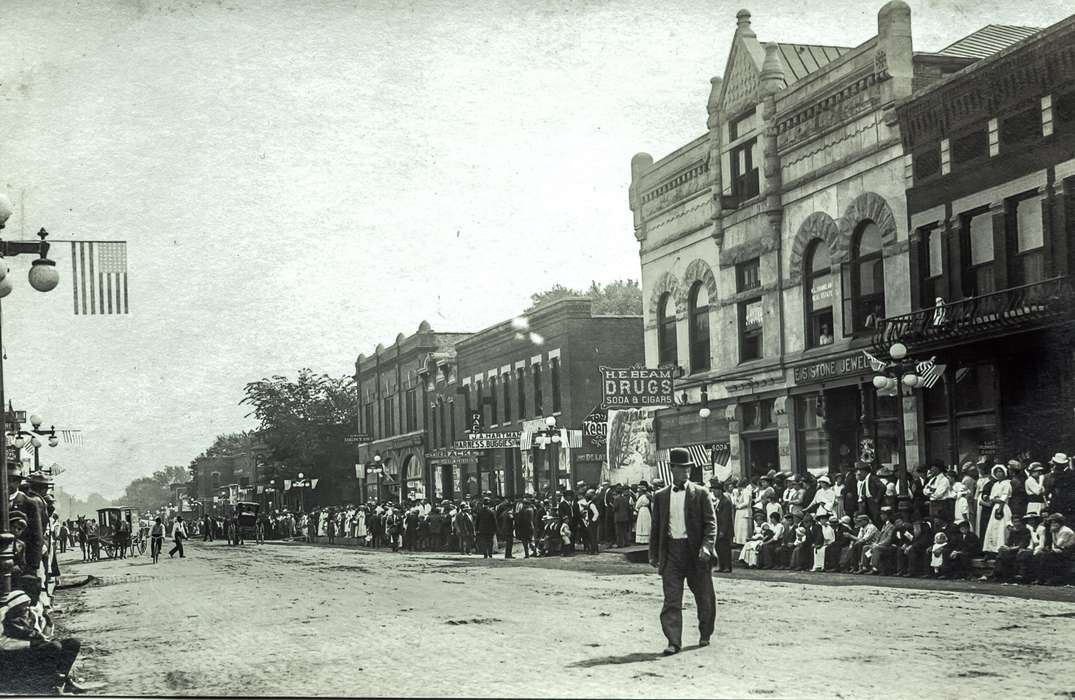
[485,522]
[700,522]
[725,513]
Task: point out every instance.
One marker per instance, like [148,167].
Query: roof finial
[742,19]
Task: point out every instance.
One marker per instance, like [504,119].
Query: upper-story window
[978,253]
[818,294]
[864,281]
[970,147]
[505,382]
[479,401]
[539,403]
[1021,127]
[520,389]
[410,408]
[744,180]
[666,331]
[926,162]
[494,415]
[389,415]
[748,275]
[1025,218]
[699,327]
[751,314]
[445,439]
[1064,112]
[466,405]
[367,420]
[554,378]
[931,263]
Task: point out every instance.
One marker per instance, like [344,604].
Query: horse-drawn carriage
[242,521]
[119,527]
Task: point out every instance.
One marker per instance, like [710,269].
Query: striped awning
[705,454]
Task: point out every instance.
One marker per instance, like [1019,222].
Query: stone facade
[802,153]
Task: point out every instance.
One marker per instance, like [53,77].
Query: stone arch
[700,271]
[868,206]
[668,283]
[818,225]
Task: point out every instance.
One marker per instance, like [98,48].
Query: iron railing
[1015,308]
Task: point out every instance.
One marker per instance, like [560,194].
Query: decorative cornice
[824,112]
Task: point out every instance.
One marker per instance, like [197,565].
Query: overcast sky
[299,181]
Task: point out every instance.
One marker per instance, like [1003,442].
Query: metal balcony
[998,313]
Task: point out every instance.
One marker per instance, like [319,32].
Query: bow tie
[679,488]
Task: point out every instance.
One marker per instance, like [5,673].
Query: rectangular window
[505,381]
[442,417]
[978,238]
[431,421]
[1021,128]
[520,387]
[466,406]
[745,182]
[1064,112]
[451,422]
[741,126]
[411,408]
[927,162]
[812,439]
[971,146]
[554,376]
[748,275]
[1029,241]
[539,403]
[368,420]
[494,414]
[750,330]
[479,399]
[389,416]
[932,265]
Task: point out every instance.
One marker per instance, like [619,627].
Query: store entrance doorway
[761,453]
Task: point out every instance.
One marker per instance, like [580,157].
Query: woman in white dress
[749,553]
[1000,515]
[1035,489]
[643,516]
[360,525]
[743,500]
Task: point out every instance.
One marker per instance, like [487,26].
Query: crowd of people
[26,611]
[931,521]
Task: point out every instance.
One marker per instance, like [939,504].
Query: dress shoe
[670,649]
[703,642]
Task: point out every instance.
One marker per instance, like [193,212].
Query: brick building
[392,400]
[773,244]
[990,184]
[511,378]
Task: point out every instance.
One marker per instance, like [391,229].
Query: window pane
[806,417]
[819,258]
[935,402]
[821,292]
[887,445]
[752,315]
[699,296]
[977,436]
[748,275]
[872,277]
[1028,222]
[974,388]
[935,259]
[981,239]
[938,442]
[869,240]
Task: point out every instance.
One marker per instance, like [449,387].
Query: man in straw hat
[681,548]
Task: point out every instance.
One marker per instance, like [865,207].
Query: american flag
[703,454]
[931,375]
[99,279]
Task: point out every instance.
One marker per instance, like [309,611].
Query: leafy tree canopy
[619,297]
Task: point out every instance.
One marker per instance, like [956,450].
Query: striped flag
[932,375]
[99,277]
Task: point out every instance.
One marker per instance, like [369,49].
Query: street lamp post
[902,373]
[43,277]
[543,439]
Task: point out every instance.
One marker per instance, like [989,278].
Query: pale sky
[299,181]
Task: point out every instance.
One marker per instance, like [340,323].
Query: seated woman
[807,537]
[769,552]
[762,533]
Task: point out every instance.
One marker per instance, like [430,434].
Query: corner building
[773,245]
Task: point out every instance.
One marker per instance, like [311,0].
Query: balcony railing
[1015,308]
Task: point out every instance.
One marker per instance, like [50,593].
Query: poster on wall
[632,445]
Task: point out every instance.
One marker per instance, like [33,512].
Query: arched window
[817,293]
[699,327]
[666,331]
[864,281]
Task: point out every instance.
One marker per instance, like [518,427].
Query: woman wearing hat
[1000,514]
[643,515]
[742,495]
[824,501]
[1035,488]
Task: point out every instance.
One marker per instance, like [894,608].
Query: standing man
[939,492]
[179,533]
[681,547]
[724,511]
[591,519]
[870,493]
[485,526]
[623,512]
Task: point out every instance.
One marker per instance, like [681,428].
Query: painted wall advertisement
[632,445]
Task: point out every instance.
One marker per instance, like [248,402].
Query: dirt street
[301,620]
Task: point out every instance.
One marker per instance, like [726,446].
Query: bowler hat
[679,457]
[39,479]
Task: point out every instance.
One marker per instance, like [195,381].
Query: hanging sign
[636,387]
[595,426]
[489,441]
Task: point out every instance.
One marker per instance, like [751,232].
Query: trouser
[1005,566]
[592,533]
[58,654]
[1053,566]
[466,543]
[485,545]
[802,557]
[724,553]
[155,546]
[942,510]
[528,546]
[880,556]
[177,548]
[63,545]
[623,533]
[509,545]
[684,564]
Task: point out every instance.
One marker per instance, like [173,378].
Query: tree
[303,424]
[619,297]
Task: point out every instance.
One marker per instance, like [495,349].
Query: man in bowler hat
[681,548]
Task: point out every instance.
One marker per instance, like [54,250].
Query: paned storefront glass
[813,442]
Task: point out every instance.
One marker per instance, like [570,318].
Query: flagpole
[7,540]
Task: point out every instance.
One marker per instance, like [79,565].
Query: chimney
[893,58]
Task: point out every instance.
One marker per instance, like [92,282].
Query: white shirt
[677,513]
[864,488]
[939,488]
[179,528]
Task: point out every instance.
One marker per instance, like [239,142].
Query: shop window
[813,443]
[750,330]
[554,377]
[1021,127]
[748,275]
[927,162]
[1029,263]
[494,414]
[539,403]
[699,327]
[970,147]
[666,331]
[520,389]
[759,415]
[884,433]
[818,293]
[864,281]
[505,381]
[978,257]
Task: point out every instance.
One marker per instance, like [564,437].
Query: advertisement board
[636,387]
